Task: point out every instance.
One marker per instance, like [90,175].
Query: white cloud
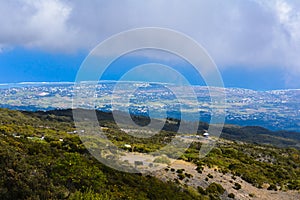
[253,33]
[35,24]
[48,22]
[287,38]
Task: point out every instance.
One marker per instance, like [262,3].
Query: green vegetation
[215,188]
[259,135]
[213,191]
[210,176]
[42,157]
[256,164]
[231,195]
[162,159]
[59,166]
[237,186]
[37,170]
[251,195]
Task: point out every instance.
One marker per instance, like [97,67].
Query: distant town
[274,109]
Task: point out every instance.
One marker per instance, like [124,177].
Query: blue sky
[255,43]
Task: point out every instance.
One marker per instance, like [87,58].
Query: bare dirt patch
[228,181]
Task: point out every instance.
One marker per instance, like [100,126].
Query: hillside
[59,167]
[250,134]
[43,158]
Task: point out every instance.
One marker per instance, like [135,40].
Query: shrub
[162,159]
[215,188]
[180,171]
[214,197]
[199,169]
[231,195]
[88,195]
[181,176]
[188,175]
[201,190]
[138,163]
[272,187]
[251,195]
[210,176]
[237,186]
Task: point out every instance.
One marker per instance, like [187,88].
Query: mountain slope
[43,158]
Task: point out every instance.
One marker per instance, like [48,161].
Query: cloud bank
[251,33]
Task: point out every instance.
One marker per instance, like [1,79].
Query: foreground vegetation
[258,165]
[42,157]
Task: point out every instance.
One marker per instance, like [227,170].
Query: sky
[254,43]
